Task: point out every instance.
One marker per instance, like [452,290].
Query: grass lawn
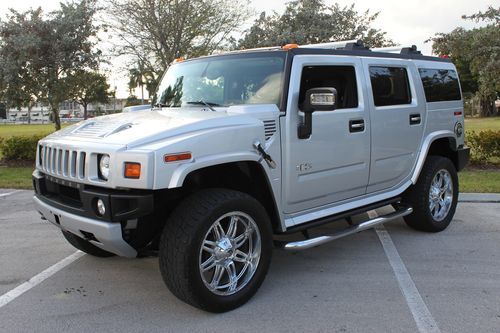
[7,131]
[480,181]
[15,178]
[481,124]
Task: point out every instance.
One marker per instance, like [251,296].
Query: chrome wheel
[230,253]
[441,195]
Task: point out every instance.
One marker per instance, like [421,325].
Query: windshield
[223,81]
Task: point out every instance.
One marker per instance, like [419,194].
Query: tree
[476,55]
[20,85]
[311,21]
[88,87]
[49,50]
[155,32]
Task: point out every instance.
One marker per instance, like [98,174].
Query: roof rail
[398,49]
[353,44]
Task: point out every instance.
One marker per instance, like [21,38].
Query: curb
[479,197]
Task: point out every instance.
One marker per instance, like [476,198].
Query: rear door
[397,113]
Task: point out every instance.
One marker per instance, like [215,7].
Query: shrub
[20,147]
[484,145]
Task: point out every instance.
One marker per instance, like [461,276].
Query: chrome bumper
[109,234]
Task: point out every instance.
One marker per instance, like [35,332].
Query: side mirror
[316,99]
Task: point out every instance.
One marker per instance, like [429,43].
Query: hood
[143,127]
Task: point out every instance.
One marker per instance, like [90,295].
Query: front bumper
[108,235]
[72,207]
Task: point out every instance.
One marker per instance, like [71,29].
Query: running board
[312,242]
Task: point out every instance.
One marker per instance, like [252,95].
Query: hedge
[484,145]
[20,148]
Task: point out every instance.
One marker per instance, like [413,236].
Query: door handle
[415,119]
[357,125]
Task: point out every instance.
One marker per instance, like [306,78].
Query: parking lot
[357,284]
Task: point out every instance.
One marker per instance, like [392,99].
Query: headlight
[104,166]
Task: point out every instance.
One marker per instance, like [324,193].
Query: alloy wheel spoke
[233,227]
[233,279]
[219,272]
[208,264]
[209,246]
[241,256]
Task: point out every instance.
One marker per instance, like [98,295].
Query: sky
[406,22]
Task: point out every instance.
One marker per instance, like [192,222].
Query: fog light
[101,208]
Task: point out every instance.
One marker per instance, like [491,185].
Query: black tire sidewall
[204,298]
[422,218]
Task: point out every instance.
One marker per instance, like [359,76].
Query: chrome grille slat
[62,162]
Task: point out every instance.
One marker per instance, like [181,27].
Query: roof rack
[398,49]
[353,44]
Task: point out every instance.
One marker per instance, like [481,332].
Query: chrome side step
[308,243]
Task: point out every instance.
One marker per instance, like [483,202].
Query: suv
[240,148]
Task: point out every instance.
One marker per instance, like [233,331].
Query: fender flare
[181,172]
[427,143]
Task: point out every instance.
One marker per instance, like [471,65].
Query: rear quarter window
[440,85]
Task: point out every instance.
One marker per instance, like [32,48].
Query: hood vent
[96,129]
[269,128]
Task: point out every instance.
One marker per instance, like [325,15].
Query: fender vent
[269,128]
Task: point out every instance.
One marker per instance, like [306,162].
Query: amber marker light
[132,170]
[290,46]
[177,157]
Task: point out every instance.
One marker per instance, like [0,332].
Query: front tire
[216,249]
[85,246]
[434,197]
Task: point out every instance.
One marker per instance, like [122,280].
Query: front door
[333,163]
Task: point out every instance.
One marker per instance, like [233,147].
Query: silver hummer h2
[243,147]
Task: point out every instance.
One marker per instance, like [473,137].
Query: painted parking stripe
[421,314]
[37,279]
[9,193]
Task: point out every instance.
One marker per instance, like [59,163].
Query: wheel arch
[246,176]
[442,143]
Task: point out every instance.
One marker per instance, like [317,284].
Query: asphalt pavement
[355,284]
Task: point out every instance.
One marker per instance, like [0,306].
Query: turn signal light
[177,157]
[132,170]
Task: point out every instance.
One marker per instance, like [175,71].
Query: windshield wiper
[209,105]
[161,105]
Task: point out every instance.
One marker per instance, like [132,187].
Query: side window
[342,78]
[390,85]
[440,85]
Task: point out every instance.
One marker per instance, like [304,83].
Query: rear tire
[216,249]
[85,246]
[434,197]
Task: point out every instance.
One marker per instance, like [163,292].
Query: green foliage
[42,52]
[476,54]
[20,147]
[155,32]
[311,21]
[88,87]
[484,145]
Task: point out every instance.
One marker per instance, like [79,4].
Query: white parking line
[421,314]
[8,193]
[37,279]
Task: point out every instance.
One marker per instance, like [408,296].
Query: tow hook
[265,155]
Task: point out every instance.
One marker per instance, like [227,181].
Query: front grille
[62,162]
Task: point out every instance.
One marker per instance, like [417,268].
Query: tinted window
[342,78]
[440,85]
[390,86]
